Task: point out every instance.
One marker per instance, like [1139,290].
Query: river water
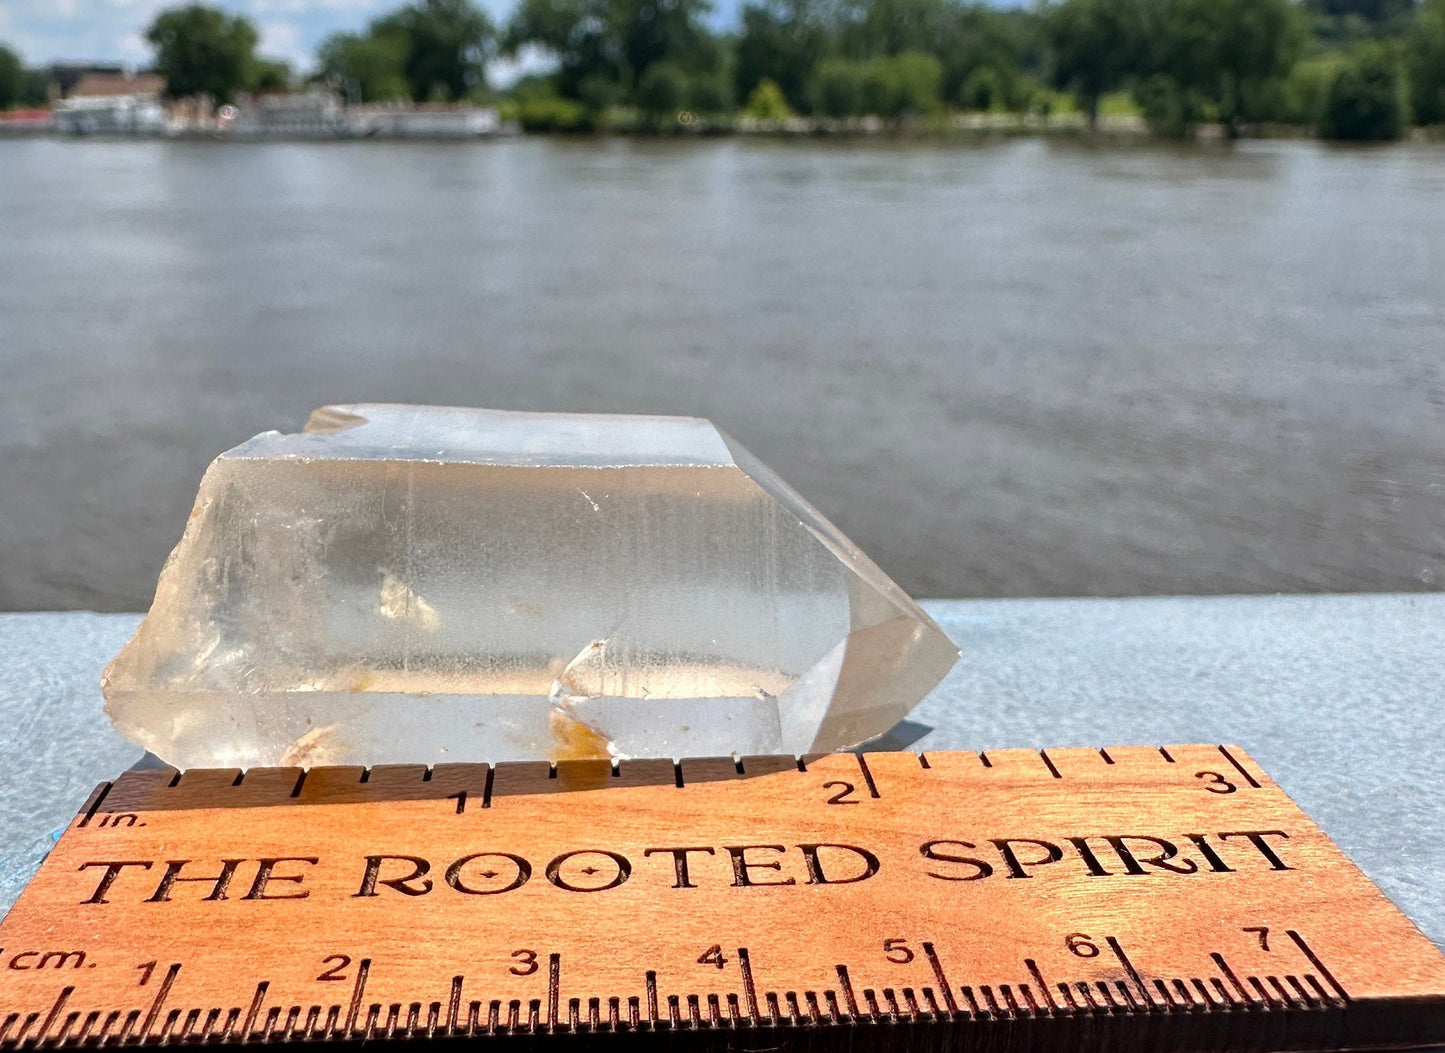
[1022,367]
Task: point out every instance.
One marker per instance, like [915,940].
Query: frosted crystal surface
[422,584]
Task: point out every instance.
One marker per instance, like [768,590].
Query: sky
[46,31]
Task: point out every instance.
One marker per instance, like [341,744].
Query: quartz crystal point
[418,584]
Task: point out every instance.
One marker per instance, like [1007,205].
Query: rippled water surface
[1022,367]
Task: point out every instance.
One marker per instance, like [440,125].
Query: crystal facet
[420,584]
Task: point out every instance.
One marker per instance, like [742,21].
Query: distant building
[305,114]
[112,102]
[426,122]
[64,76]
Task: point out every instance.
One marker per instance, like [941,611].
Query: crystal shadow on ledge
[402,584]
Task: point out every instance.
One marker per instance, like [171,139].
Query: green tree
[710,92]
[1346,22]
[1367,10]
[12,78]
[881,89]
[1228,53]
[662,91]
[1303,94]
[986,88]
[782,41]
[1425,55]
[538,107]
[1170,109]
[1097,47]
[365,68]
[615,41]
[919,77]
[201,50]
[872,28]
[837,88]
[988,47]
[35,90]
[580,35]
[270,76]
[446,41]
[1367,98]
[767,102]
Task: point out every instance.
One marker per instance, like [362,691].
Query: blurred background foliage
[1349,69]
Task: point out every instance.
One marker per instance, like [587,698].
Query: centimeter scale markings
[1056,900]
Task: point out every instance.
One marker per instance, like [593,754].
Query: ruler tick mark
[1299,942]
[90,811]
[931,953]
[750,992]
[55,1009]
[1034,1008]
[868,777]
[362,971]
[1259,988]
[454,1005]
[1253,782]
[1126,996]
[160,999]
[775,1014]
[1165,754]
[1229,975]
[1118,950]
[1033,968]
[1301,991]
[1204,996]
[250,1022]
[554,983]
[651,997]
[848,996]
[1319,989]
[1049,764]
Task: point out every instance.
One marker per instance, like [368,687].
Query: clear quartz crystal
[420,584]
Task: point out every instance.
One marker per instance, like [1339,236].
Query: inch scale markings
[1162,895]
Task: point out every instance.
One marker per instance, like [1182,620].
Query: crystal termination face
[405,584]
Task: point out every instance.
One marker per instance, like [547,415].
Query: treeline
[1345,68]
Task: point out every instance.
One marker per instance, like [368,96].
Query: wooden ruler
[1169,899]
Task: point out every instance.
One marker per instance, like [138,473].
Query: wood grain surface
[1170,898]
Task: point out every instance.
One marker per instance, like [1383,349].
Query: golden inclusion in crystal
[422,584]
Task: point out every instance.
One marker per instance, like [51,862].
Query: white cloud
[504,72]
[294,7]
[282,40]
[133,47]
